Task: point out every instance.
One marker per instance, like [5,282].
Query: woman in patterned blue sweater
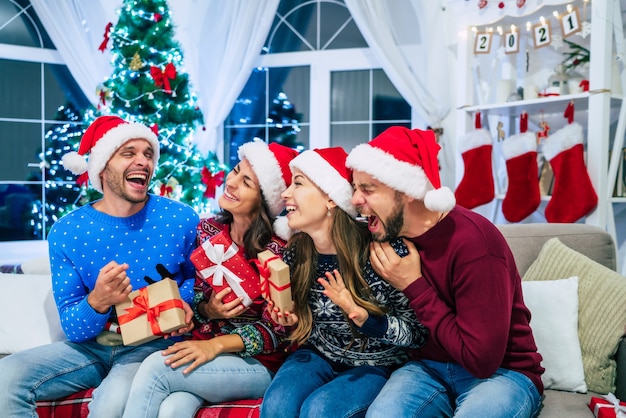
[352,327]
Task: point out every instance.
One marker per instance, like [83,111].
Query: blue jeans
[307,386]
[434,389]
[159,390]
[60,369]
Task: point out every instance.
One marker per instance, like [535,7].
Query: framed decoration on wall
[570,22]
[483,42]
[511,42]
[542,34]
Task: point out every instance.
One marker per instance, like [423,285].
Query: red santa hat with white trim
[405,160]
[326,167]
[101,140]
[270,163]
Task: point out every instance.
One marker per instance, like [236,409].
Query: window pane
[295,83]
[388,103]
[250,106]
[21,145]
[300,32]
[19,25]
[337,28]
[61,89]
[16,207]
[349,136]
[378,128]
[20,87]
[350,96]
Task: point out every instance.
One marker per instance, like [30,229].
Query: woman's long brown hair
[351,239]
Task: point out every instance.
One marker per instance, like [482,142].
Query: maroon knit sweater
[470,298]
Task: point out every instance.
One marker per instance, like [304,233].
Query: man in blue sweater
[99,253]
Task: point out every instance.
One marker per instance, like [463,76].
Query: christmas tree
[62,194]
[148,85]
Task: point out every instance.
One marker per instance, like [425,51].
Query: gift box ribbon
[141,305]
[219,271]
[265,273]
[620,410]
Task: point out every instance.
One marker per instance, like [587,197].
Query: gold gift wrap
[275,283]
[151,312]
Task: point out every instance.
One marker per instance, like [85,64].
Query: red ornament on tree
[158,17]
[103,45]
[501,5]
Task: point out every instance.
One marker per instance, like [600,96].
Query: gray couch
[526,241]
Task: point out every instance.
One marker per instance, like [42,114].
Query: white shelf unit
[596,110]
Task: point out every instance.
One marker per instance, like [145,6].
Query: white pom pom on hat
[405,160]
[101,139]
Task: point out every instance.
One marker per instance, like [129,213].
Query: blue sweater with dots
[156,242]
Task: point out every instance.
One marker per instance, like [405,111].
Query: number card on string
[483,43]
[542,34]
[511,42]
[570,22]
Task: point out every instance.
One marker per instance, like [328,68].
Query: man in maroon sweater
[461,279]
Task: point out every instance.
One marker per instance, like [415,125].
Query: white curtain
[221,43]
[410,39]
[76,28]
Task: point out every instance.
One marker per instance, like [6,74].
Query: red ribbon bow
[264,276]
[141,305]
[212,181]
[162,78]
[103,45]
[166,190]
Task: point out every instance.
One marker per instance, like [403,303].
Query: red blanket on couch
[75,406]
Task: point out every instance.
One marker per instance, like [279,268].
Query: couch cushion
[27,298]
[554,308]
[601,309]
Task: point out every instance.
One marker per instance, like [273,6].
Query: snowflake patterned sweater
[155,241]
[384,341]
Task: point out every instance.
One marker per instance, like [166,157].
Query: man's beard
[393,225]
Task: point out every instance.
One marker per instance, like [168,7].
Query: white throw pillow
[28,314]
[553,305]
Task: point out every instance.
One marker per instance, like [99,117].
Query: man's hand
[398,271]
[336,290]
[215,308]
[112,287]
[188,322]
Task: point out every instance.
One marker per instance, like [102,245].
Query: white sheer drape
[221,42]
[410,40]
[77,27]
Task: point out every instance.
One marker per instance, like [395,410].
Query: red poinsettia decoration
[212,181]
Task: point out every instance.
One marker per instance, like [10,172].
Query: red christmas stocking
[573,195]
[476,187]
[522,195]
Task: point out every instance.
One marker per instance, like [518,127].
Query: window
[34,85]
[316,60]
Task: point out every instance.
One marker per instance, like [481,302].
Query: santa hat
[326,168]
[270,163]
[405,160]
[101,139]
